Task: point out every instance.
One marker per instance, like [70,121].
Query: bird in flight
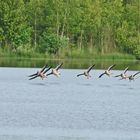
[123,75]
[132,77]
[86,73]
[40,73]
[107,72]
[55,71]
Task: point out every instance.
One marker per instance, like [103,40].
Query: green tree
[51,43]
[13,23]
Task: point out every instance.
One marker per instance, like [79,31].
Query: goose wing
[90,68]
[47,70]
[49,74]
[110,67]
[59,66]
[80,74]
[32,74]
[33,77]
[136,73]
[101,75]
[126,69]
[118,75]
[43,68]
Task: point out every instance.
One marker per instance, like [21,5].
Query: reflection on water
[131,88]
[84,84]
[123,85]
[53,83]
[73,64]
[105,86]
[39,84]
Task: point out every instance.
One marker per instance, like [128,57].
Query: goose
[55,71]
[107,72]
[123,75]
[86,73]
[40,73]
[132,77]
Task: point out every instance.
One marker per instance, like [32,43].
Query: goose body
[40,73]
[132,77]
[86,73]
[123,75]
[108,72]
[55,71]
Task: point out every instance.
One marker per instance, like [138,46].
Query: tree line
[49,25]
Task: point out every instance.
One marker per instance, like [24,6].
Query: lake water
[68,108]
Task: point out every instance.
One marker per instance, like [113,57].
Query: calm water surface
[68,108]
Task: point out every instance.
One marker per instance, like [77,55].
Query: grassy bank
[94,54]
[67,54]
[74,59]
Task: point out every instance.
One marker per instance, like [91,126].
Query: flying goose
[132,77]
[40,73]
[123,75]
[107,72]
[86,73]
[55,71]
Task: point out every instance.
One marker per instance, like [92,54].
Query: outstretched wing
[47,70]
[43,68]
[118,75]
[89,69]
[126,69]
[101,75]
[33,77]
[59,66]
[49,74]
[136,73]
[112,66]
[80,74]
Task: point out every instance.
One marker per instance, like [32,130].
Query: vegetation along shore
[70,29]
